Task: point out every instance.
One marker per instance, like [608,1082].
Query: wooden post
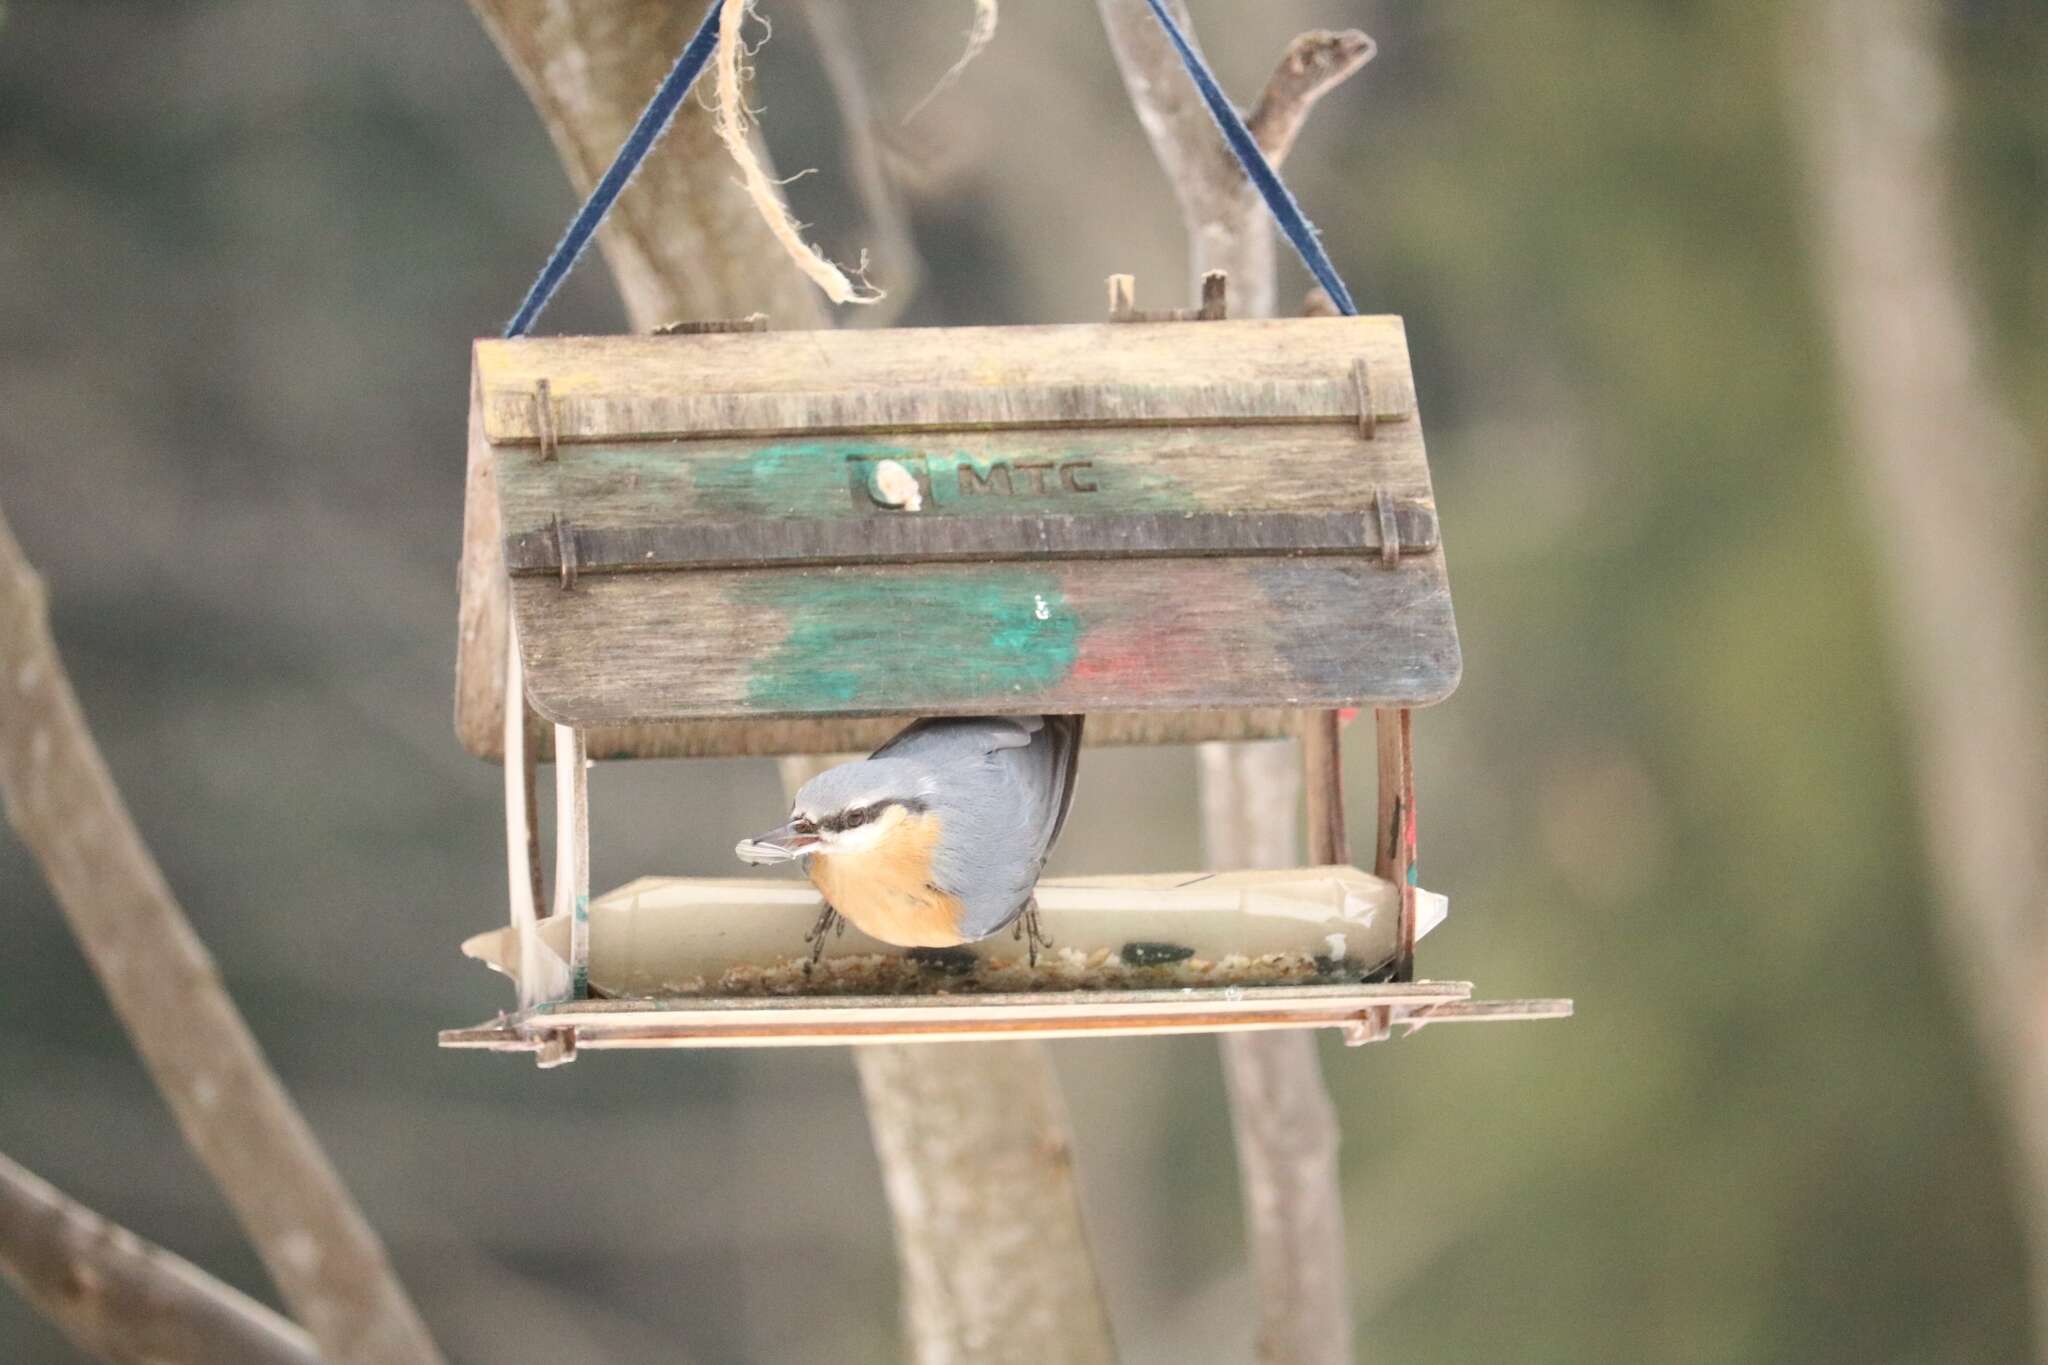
[1394,839]
[540,976]
[572,852]
[1322,755]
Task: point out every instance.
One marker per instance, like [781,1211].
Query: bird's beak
[777,845]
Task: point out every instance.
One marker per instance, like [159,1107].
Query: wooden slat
[600,1025]
[1322,781]
[905,539]
[1394,843]
[811,1021]
[1493,1011]
[779,736]
[1102,473]
[1272,370]
[1164,634]
[999,1004]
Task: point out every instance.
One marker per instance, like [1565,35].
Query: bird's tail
[1066,739]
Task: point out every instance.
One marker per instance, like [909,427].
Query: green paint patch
[818,479]
[877,643]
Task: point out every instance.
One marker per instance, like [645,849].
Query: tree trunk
[978,1166]
[972,1139]
[1957,502]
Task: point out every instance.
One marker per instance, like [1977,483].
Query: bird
[936,839]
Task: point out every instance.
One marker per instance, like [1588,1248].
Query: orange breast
[887,890]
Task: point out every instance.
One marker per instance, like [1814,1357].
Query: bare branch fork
[125,1299]
[1285,1125]
[325,1260]
[995,1260]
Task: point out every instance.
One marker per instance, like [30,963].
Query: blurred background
[243,247]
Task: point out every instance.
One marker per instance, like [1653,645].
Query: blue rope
[1294,224]
[654,121]
[661,110]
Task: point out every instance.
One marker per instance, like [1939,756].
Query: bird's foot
[831,922]
[1033,933]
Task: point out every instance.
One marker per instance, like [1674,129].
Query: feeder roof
[802,526]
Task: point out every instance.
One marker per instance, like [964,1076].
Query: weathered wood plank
[937,640]
[1394,843]
[864,734]
[481,590]
[818,542]
[1121,472]
[812,1020]
[1296,369]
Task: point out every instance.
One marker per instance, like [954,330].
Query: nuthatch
[938,837]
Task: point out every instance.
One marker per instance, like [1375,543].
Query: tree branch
[1314,64]
[124,1299]
[978,1163]
[1226,226]
[1285,1126]
[684,241]
[1959,499]
[236,1117]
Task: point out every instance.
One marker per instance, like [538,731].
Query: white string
[731,123]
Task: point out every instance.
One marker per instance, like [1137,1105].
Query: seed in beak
[791,841]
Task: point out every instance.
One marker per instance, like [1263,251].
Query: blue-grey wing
[946,740]
[1003,813]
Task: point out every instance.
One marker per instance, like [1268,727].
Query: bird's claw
[829,921]
[1032,932]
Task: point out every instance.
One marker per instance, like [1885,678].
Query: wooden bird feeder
[737,541]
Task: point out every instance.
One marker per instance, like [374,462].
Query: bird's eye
[856,818]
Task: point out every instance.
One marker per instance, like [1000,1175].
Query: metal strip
[1050,407]
[911,538]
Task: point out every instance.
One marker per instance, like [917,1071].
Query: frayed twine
[979,36]
[731,124]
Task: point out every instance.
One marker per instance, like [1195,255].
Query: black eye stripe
[853,817]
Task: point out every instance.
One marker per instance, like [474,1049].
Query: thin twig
[325,1260]
[124,1299]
